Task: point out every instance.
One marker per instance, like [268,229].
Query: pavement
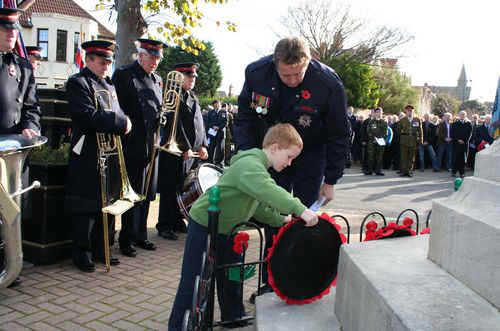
[138,294]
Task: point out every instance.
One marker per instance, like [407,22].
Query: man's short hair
[408,107]
[215,101]
[292,50]
[284,135]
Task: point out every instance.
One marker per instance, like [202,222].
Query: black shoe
[83,260]
[128,250]
[406,175]
[16,282]
[263,290]
[422,170]
[398,171]
[112,260]
[368,173]
[181,227]
[168,234]
[235,324]
[437,170]
[462,175]
[379,173]
[146,244]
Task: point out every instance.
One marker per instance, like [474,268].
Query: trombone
[110,145]
[171,102]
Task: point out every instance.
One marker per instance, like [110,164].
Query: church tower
[463,91]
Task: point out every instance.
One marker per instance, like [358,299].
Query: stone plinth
[273,314]
[391,285]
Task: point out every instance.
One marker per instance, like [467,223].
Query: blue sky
[448,34]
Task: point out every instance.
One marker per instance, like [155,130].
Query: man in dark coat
[290,87]
[461,131]
[444,142]
[173,169]
[19,108]
[139,91]
[216,122]
[483,132]
[20,111]
[429,134]
[94,108]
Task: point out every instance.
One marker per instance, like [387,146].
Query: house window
[76,44]
[43,42]
[62,40]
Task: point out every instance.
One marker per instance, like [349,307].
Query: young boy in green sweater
[246,190]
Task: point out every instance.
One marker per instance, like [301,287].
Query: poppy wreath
[240,242]
[292,246]
[391,230]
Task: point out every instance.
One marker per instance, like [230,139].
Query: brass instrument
[171,102]
[13,152]
[109,145]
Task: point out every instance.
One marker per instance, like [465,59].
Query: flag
[495,116]
[78,58]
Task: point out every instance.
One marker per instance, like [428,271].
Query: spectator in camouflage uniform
[410,136]
[377,128]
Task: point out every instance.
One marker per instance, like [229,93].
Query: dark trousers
[88,233]
[459,157]
[432,156]
[305,186]
[216,150]
[229,292]
[169,215]
[135,224]
[471,159]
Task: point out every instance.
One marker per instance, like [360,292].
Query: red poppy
[407,221]
[426,231]
[240,242]
[371,226]
[306,95]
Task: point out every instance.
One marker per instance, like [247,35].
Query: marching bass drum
[196,183]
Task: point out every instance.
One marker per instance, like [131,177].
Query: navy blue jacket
[317,110]
[83,188]
[19,108]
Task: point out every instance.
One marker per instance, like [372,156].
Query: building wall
[52,73]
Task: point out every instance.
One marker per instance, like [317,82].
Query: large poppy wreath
[302,263]
[391,230]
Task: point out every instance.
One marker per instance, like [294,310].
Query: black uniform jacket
[461,130]
[140,97]
[219,120]
[83,192]
[19,108]
[190,135]
[316,108]
[483,134]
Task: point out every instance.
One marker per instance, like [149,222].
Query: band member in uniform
[173,169]
[34,56]
[290,87]
[139,91]
[90,114]
[19,108]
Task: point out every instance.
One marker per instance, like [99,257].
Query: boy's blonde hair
[284,135]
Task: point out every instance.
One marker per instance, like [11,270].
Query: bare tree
[334,32]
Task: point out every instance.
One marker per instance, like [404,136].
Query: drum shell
[192,188]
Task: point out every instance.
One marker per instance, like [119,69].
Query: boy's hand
[309,217]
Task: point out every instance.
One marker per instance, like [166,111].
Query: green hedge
[206,101]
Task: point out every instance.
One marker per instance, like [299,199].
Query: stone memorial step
[391,285]
[273,314]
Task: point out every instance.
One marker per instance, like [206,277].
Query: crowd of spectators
[449,143]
